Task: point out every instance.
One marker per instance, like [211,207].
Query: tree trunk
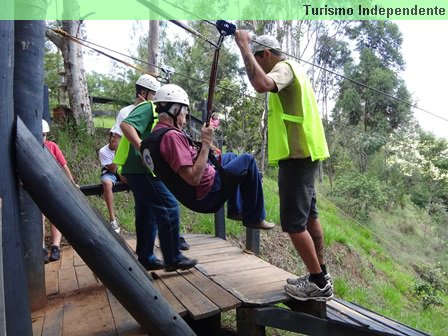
[75,74]
[153,46]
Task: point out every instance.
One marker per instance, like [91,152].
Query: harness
[184,192]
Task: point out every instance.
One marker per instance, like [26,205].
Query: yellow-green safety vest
[313,143]
[122,152]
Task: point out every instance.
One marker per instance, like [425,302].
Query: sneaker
[183,245]
[45,254]
[309,291]
[300,279]
[153,265]
[114,224]
[263,225]
[55,253]
[183,264]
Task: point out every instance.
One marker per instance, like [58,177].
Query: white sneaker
[303,278]
[309,291]
[114,224]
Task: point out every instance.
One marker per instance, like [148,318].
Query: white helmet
[45,127]
[149,82]
[171,93]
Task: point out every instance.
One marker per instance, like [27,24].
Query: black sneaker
[183,264]
[55,253]
[153,265]
[45,254]
[183,245]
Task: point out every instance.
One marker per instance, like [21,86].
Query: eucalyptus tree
[372,97]
[74,68]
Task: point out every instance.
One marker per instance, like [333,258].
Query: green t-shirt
[142,119]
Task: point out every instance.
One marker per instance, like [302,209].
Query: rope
[79,41]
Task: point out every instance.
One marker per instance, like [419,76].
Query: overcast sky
[425,50]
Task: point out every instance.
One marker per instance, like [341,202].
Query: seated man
[185,169]
[109,176]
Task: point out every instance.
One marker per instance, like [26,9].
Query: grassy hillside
[391,264]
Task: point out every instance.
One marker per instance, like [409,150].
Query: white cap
[264,42]
[45,126]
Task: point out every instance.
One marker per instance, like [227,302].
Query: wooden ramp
[225,278]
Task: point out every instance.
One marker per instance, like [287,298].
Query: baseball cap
[264,42]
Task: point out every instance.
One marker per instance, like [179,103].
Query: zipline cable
[322,68]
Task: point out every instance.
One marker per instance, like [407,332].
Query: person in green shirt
[296,142]
[156,209]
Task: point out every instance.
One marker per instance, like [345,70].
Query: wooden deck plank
[37,324]
[67,280]
[77,260]
[85,277]
[125,324]
[218,295]
[273,286]
[266,298]
[210,245]
[201,242]
[253,277]
[196,303]
[243,262]
[53,318]
[198,253]
[94,312]
[172,300]
[203,259]
[51,282]
[67,255]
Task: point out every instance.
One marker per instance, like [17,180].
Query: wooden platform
[225,278]
[80,305]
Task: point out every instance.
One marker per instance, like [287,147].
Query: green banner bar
[227,9]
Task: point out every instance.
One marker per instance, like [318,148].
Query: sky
[424,49]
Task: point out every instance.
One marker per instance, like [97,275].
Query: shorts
[109,177]
[297,194]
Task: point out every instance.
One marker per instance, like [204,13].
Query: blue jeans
[155,208]
[246,197]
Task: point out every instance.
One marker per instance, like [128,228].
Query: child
[55,253]
[109,175]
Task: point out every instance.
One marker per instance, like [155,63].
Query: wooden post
[69,210]
[253,240]
[246,324]
[28,105]
[18,320]
[2,289]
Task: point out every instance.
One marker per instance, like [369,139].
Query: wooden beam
[2,289]
[67,208]
[97,189]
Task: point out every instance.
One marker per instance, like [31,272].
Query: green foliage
[429,284]
[360,193]
[53,63]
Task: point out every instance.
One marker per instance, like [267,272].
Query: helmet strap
[172,109]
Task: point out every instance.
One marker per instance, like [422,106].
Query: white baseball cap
[264,42]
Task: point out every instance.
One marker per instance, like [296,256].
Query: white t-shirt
[106,155]
[124,112]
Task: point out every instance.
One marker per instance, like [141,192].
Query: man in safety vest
[154,204]
[296,142]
